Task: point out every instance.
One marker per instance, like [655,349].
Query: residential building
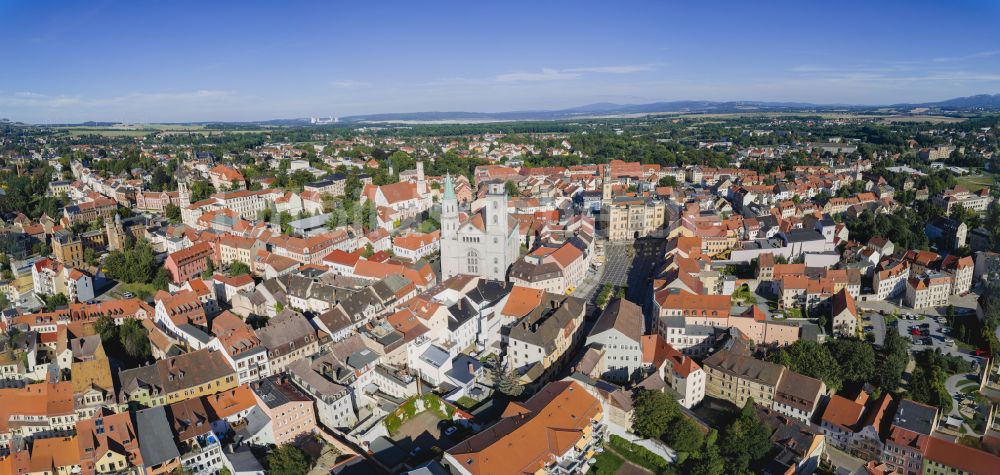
[619,332]
[736,377]
[537,345]
[289,408]
[930,289]
[906,442]
[844,314]
[678,370]
[856,425]
[631,217]
[556,431]
[187,263]
[178,378]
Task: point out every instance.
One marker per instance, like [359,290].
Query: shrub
[638,454]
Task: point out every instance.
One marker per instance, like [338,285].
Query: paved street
[617,263]
[843,463]
[877,323]
[887,306]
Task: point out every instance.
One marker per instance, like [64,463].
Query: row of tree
[741,448]
[843,362]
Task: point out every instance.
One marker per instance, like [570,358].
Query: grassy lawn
[466,402]
[607,464]
[974,183]
[968,389]
[794,312]
[140,290]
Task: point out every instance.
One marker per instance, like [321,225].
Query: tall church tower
[421,184]
[115,233]
[449,209]
[496,210]
[183,193]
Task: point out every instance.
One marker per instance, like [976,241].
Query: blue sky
[150,61]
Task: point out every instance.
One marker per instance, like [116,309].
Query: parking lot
[932,335]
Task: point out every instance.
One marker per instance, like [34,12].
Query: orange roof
[407,323]
[422,307]
[238,281]
[961,457]
[339,257]
[531,434]
[54,452]
[522,300]
[717,304]
[843,300]
[234,334]
[41,399]
[414,241]
[656,350]
[231,402]
[566,255]
[228,173]
[401,191]
[845,412]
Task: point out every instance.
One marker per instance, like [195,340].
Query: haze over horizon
[238,61]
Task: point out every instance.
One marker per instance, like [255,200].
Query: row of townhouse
[736,376]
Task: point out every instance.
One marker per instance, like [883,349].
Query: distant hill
[981,102]
[590,110]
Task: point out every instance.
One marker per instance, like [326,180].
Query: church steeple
[449,210]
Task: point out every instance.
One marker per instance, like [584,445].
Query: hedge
[638,454]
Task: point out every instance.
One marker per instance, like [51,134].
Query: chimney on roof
[472,368]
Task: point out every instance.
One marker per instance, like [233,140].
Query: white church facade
[485,244]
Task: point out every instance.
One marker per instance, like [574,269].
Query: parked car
[949,341]
[128,295]
[450,431]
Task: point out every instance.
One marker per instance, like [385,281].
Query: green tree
[55,301]
[652,413]
[893,359]
[237,268]
[201,189]
[683,435]
[511,188]
[106,327]
[209,270]
[668,180]
[811,359]
[745,441]
[429,225]
[134,339]
[287,460]
[133,264]
[708,462]
[506,381]
[173,213]
[856,359]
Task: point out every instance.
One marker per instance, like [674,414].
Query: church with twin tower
[485,244]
